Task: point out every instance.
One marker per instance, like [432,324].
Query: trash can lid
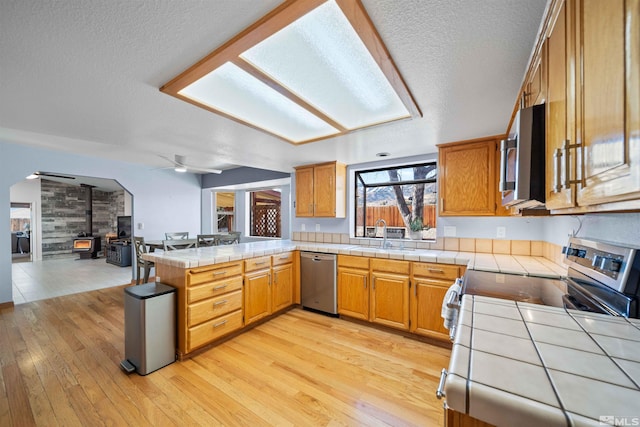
[149,290]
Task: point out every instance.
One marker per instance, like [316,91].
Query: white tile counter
[522,364]
[189,258]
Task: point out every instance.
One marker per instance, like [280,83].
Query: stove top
[602,277]
[535,290]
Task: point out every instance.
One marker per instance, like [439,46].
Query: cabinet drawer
[213,307]
[439,271]
[212,289]
[360,262]
[283,258]
[213,329]
[198,276]
[390,266]
[257,263]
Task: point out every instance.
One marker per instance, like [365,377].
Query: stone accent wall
[63,215]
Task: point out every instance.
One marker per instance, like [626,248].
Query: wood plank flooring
[59,365]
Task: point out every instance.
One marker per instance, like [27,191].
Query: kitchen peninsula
[222,289]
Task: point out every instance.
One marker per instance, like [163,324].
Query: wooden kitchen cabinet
[282,287]
[213,305]
[467,178]
[353,286]
[593,107]
[390,293]
[560,107]
[430,283]
[257,289]
[607,96]
[321,190]
[535,92]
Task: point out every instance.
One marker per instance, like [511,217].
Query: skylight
[309,76]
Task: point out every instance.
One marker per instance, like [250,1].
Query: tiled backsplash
[547,250]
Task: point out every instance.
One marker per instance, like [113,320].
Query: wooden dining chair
[176,235]
[141,263]
[205,240]
[175,244]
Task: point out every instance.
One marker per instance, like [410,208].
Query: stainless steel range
[602,277]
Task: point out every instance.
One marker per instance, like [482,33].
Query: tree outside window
[404,197]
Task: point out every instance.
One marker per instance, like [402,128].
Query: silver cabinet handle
[365,283]
[260,262]
[567,163]
[224,301]
[373,283]
[415,289]
[440,391]
[436,270]
[217,288]
[220,323]
[217,273]
[557,170]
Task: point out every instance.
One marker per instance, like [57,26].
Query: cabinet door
[611,166]
[353,293]
[390,300]
[257,296]
[426,304]
[304,192]
[467,179]
[324,190]
[560,112]
[282,288]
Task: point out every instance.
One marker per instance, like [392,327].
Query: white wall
[162,200]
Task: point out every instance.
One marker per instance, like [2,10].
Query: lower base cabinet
[217,300]
[257,292]
[353,286]
[390,300]
[430,284]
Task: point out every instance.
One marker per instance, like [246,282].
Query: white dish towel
[450,314]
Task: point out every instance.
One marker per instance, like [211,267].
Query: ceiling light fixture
[33,176]
[180,169]
[308,70]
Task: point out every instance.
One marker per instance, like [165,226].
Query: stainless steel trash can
[149,327]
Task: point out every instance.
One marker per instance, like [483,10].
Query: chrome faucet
[385,244]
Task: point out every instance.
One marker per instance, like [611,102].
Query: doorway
[21,225]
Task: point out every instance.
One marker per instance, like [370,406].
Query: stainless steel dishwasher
[318,282]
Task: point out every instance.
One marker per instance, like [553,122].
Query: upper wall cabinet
[467,178]
[592,51]
[321,190]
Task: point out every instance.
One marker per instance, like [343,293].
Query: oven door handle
[440,391]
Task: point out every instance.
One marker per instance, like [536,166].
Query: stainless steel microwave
[522,160]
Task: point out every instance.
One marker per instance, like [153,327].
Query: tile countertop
[525,265]
[522,364]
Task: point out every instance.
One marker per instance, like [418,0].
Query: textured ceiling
[83,76]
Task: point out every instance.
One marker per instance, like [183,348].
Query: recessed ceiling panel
[232,91]
[321,59]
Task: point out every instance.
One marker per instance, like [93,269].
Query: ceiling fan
[180,165]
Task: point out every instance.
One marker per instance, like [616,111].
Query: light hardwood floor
[60,359]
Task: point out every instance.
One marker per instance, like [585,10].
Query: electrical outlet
[303,227]
[317,227]
[141,226]
[501,232]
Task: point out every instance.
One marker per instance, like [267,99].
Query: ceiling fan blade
[205,170]
[52,175]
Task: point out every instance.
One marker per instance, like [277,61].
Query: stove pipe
[88,209]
